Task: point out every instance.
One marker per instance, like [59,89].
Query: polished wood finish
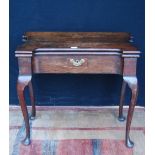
[21,84]
[33,45]
[92,64]
[32,101]
[121,117]
[78,36]
[110,40]
[133,85]
[77,52]
[24,79]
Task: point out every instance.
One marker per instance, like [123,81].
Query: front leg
[22,82]
[133,85]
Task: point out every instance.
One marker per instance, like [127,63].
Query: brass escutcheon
[77,62]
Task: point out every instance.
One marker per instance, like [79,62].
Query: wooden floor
[76,131]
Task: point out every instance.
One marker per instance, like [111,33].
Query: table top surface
[76,41]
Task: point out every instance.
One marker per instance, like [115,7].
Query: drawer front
[77,64]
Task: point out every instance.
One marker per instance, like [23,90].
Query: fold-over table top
[77,41]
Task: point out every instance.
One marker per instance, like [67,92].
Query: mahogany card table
[77,53]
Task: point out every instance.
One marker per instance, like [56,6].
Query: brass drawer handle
[77,62]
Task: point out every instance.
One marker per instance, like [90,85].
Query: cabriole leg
[133,85]
[22,82]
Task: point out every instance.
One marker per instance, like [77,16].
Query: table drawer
[77,64]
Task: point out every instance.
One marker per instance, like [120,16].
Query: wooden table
[77,52]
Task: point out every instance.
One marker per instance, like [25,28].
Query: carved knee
[132,83]
[23,81]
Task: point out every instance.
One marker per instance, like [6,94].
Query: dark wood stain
[91,52]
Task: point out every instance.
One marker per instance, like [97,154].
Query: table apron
[77,64]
